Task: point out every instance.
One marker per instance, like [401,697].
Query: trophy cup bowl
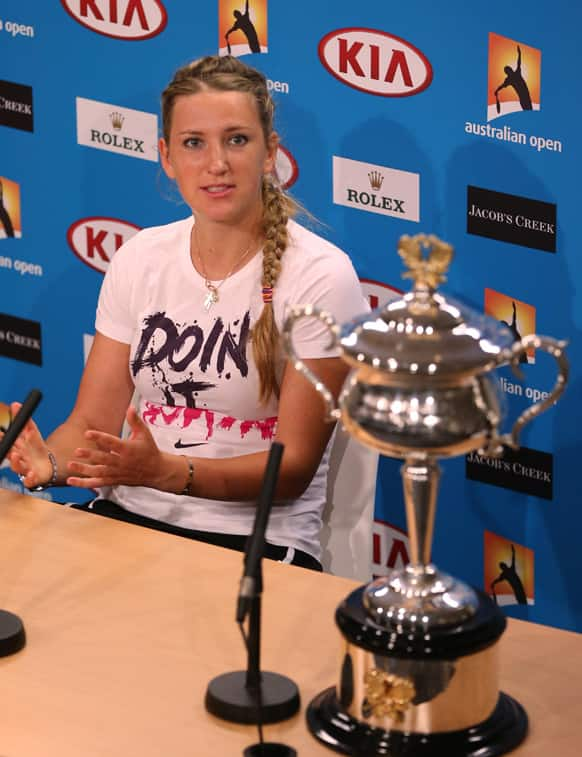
[418,672]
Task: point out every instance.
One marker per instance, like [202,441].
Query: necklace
[212,296]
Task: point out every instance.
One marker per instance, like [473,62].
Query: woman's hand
[135,461]
[29,454]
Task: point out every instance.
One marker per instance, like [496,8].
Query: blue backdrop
[391,125]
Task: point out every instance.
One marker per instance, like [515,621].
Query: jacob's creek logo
[375,62]
[286,169]
[20,339]
[242,27]
[377,189]
[95,240]
[508,571]
[390,548]
[121,130]
[518,316]
[510,218]
[131,20]
[514,86]
[10,223]
[524,470]
[16,106]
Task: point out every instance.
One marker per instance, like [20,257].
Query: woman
[188,317]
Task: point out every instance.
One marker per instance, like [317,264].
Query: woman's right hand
[29,454]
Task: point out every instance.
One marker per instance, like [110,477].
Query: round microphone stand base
[229,698]
[12,636]
[269,749]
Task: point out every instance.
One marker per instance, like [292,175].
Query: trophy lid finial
[427,272]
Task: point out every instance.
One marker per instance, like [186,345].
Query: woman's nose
[217,159]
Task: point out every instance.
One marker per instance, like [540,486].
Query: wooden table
[126,626]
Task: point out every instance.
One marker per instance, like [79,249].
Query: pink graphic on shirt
[227,422]
[186,417]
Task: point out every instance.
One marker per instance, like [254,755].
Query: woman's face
[217,154]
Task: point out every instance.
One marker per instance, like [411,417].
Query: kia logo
[131,20]
[96,240]
[379,294]
[286,168]
[375,62]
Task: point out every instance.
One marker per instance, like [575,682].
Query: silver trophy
[418,673]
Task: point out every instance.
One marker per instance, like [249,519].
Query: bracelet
[54,475]
[186,490]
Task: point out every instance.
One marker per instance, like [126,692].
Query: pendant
[211,297]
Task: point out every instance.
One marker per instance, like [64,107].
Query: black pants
[230,541]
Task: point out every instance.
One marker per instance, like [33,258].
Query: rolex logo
[116,120]
[376,179]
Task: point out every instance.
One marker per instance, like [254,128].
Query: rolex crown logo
[116,120]
[376,179]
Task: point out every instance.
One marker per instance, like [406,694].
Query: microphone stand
[252,696]
[12,635]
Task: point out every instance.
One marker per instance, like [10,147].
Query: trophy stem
[420,481]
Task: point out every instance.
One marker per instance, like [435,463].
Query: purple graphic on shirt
[167,347]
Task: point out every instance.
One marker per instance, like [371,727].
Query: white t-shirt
[194,372]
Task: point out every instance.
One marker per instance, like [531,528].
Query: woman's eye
[192,142]
[239,139]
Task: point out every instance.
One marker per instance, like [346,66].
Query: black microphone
[251,580]
[19,422]
[12,634]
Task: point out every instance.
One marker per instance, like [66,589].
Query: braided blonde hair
[229,74]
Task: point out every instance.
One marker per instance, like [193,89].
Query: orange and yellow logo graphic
[242,27]
[518,316]
[508,571]
[514,77]
[5,416]
[10,224]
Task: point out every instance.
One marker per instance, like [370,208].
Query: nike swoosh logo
[179,445]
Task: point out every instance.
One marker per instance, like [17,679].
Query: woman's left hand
[135,461]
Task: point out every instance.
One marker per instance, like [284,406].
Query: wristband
[186,490]
[54,475]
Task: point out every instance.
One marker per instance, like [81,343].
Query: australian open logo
[514,92]
[514,77]
[242,27]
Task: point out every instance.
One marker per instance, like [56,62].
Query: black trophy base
[12,636]
[503,730]
[229,698]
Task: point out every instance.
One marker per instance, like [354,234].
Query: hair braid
[276,211]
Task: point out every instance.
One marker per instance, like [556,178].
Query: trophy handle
[556,349]
[293,314]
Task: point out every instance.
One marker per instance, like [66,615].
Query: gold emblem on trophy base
[387,695]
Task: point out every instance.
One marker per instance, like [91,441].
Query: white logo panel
[117,129]
[377,189]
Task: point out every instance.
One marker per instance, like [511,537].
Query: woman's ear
[272,145]
[165,158]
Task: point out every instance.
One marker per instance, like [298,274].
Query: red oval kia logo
[132,20]
[95,240]
[375,62]
[379,294]
[286,168]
